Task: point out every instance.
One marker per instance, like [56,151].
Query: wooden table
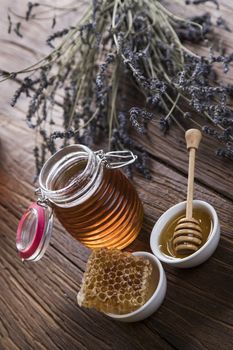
[38,308]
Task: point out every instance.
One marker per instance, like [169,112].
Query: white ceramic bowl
[201,254]
[155,300]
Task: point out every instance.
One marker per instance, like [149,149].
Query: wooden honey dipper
[187,237]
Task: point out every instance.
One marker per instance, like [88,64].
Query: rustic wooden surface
[38,307]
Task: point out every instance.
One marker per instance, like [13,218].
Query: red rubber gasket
[28,252]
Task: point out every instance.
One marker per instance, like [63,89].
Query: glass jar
[91,198]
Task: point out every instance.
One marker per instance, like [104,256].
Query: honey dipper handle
[193,138]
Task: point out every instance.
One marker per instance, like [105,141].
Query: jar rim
[55,155]
[58,162]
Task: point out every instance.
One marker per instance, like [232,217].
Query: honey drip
[112,217]
[165,242]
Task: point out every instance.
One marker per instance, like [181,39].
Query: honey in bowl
[165,241]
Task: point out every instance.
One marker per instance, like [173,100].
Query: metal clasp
[124,158]
[41,199]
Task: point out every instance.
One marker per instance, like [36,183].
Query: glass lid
[34,232]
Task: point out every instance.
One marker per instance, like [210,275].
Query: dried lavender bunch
[198,2]
[45,12]
[136,41]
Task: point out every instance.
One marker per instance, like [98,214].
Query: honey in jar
[90,196]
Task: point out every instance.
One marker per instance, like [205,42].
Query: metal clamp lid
[122,158]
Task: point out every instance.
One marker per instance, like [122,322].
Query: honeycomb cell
[115,282]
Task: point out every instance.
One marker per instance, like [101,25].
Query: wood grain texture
[38,308]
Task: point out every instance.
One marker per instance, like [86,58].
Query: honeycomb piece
[115,282]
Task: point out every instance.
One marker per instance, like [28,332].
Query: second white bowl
[201,254]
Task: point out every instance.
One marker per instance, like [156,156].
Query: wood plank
[38,305]
[38,301]
[172,153]
[188,297]
[28,287]
[212,171]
